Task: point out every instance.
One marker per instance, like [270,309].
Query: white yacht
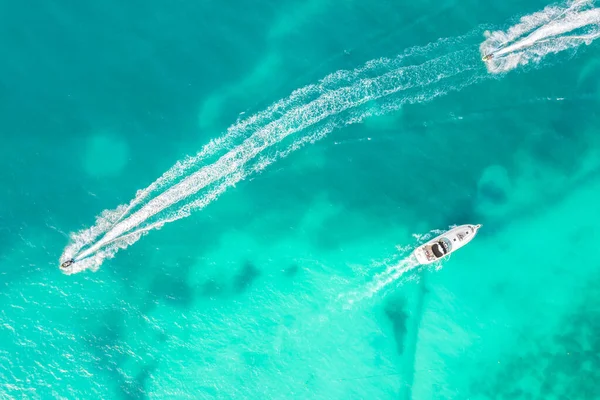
[448,242]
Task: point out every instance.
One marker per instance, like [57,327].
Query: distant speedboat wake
[552,30]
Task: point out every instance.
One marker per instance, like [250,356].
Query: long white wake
[254,143]
[552,30]
[418,75]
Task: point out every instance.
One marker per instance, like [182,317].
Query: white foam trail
[110,248]
[549,31]
[395,270]
[298,97]
[391,274]
[553,29]
[125,240]
[297,119]
[241,128]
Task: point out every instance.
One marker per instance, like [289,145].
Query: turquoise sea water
[274,290]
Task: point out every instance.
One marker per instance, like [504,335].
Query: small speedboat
[448,242]
[67,264]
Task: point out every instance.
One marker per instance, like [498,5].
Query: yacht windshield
[439,249]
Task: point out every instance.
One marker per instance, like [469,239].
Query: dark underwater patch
[136,389]
[292,270]
[244,279]
[563,365]
[493,193]
[104,341]
[396,314]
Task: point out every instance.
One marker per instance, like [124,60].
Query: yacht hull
[445,244]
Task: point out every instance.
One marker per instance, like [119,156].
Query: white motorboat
[448,242]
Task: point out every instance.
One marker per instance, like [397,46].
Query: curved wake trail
[549,31]
[306,116]
[300,96]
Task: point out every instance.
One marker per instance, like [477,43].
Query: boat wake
[552,30]
[392,273]
[397,270]
[308,114]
